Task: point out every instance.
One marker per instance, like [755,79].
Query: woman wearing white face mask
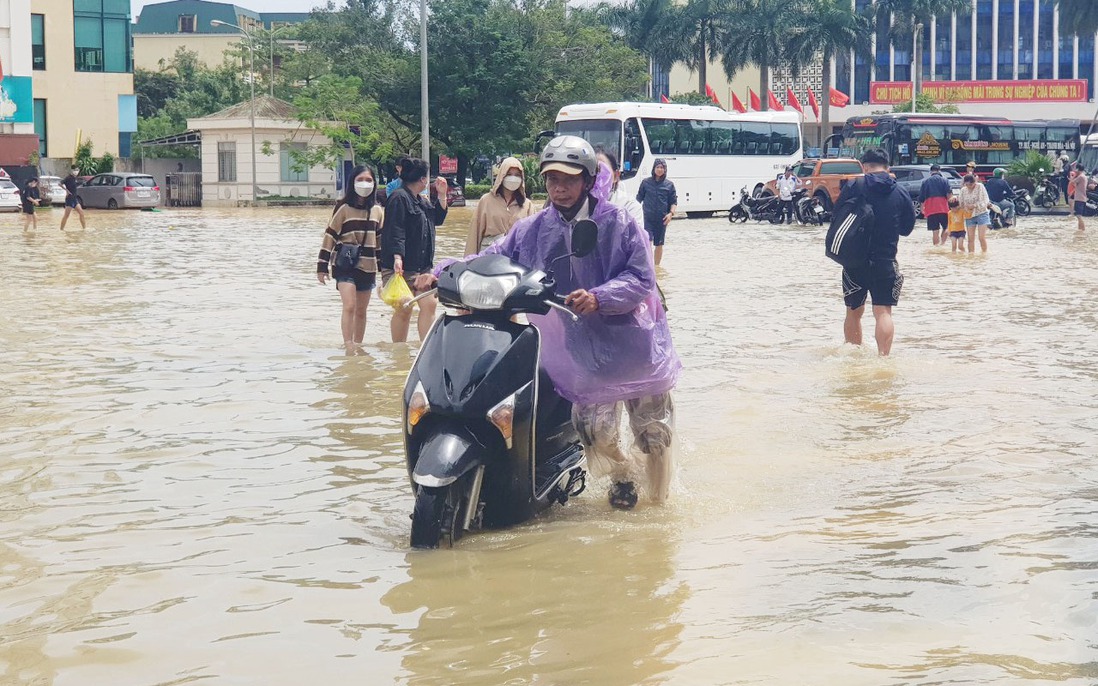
[349,248]
[498,211]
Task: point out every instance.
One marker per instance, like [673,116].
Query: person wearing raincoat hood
[619,353]
[498,211]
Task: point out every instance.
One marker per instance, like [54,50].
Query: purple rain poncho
[624,350]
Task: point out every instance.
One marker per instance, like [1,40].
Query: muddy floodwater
[197,486]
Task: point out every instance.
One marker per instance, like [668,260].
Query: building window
[38,41]
[101,35]
[40,126]
[289,165]
[226,161]
[187,23]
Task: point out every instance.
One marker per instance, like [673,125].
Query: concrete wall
[84,101]
[683,80]
[150,49]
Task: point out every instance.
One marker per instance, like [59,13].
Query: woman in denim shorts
[353,229]
[974,200]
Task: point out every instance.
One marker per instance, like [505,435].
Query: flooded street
[198,486]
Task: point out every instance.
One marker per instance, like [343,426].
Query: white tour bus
[710,153]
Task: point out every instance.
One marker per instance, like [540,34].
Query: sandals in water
[623,495]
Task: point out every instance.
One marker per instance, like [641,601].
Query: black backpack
[851,230]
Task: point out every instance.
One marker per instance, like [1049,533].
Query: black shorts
[657,230]
[28,209]
[937,222]
[883,284]
[363,281]
[1080,207]
[70,201]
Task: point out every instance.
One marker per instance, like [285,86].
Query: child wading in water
[957,218]
[30,197]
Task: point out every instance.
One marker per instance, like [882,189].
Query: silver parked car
[51,190]
[119,189]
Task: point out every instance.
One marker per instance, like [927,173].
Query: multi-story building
[18,143]
[1003,57]
[165,27]
[81,79]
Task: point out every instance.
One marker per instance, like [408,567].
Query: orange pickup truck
[823,178]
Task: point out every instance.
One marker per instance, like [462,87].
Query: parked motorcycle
[488,441]
[1023,205]
[1047,192]
[808,209]
[757,208]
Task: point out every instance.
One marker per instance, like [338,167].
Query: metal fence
[184,189]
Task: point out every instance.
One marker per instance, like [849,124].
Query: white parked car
[10,199]
[51,190]
[116,190]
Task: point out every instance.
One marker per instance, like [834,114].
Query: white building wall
[320,184]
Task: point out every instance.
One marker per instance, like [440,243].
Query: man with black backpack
[870,216]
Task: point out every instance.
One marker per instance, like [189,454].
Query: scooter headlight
[485,292]
[502,417]
[418,406]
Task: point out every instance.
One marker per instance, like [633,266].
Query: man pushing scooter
[619,352]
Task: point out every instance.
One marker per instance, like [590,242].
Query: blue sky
[255,5]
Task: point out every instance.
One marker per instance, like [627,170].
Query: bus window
[756,138]
[722,137]
[634,148]
[661,135]
[786,137]
[1000,133]
[604,133]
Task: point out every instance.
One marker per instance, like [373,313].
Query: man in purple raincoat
[620,352]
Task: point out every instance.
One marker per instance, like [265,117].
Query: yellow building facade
[84,84]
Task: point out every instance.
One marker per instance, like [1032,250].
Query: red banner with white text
[1044,90]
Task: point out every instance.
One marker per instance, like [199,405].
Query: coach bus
[710,153]
[955,139]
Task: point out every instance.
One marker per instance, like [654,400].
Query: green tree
[756,32]
[822,29]
[696,31]
[1078,17]
[644,25]
[925,103]
[1033,166]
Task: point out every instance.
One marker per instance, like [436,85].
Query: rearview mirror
[584,236]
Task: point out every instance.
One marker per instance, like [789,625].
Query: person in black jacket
[658,198]
[408,241]
[30,197]
[880,277]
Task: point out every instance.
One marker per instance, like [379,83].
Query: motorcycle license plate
[818,210]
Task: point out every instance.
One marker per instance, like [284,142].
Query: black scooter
[757,208]
[488,441]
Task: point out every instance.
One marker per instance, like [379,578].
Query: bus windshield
[600,133]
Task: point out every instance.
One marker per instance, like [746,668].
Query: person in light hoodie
[498,210]
[619,354]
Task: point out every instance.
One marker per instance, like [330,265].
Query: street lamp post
[424,123]
[915,65]
[251,74]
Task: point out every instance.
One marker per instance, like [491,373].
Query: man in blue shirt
[1000,193]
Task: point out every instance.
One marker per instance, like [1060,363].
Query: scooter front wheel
[438,515]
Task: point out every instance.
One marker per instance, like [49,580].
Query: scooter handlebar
[557,303]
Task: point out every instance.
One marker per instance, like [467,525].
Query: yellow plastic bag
[395,293]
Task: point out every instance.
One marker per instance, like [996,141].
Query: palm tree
[1078,17]
[696,29]
[645,25]
[822,29]
[755,32]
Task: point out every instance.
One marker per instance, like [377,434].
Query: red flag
[814,103]
[737,105]
[753,99]
[712,95]
[773,101]
[839,98]
[793,101]
[663,98]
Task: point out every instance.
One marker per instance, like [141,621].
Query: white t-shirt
[786,186]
